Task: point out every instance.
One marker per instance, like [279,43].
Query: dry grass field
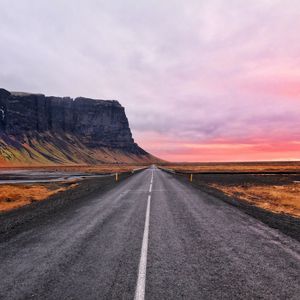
[235,167]
[13,196]
[278,193]
[276,198]
[97,169]
[17,195]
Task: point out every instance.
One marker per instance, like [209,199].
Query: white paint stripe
[150,189]
[141,281]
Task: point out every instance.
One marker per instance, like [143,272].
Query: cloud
[191,71]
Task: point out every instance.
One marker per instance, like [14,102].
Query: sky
[214,80]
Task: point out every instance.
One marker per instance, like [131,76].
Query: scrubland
[276,198]
[293,166]
[273,186]
[13,196]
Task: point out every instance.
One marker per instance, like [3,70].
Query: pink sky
[214,80]
[224,149]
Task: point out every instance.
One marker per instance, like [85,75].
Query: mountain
[36,129]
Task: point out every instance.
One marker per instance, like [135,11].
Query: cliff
[38,129]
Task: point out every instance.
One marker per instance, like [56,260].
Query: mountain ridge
[39,129]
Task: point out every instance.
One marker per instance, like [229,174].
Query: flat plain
[274,186]
[26,185]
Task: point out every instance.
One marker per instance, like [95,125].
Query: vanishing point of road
[150,237]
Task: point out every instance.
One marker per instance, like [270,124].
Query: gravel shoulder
[29,216]
[283,222]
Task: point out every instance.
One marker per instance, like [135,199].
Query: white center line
[141,281]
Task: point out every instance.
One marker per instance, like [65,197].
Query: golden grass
[272,197]
[62,149]
[236,167]
[276,198]
[102,168]
[15,196]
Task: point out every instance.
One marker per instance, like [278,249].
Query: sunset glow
[200,80]
[225,150]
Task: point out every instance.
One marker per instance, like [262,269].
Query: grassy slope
[54,150]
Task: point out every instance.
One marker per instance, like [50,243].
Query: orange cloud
[256,149]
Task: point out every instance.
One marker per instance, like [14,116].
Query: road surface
[150,237]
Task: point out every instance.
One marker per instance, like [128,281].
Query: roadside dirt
[13,196]
[256,196]
[38,212]
[290,166]
[276,198]
[18,194]
[278,193]
[97,169]
[274,186]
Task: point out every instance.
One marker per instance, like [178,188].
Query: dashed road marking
[141,281]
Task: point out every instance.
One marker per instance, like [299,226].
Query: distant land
[39,130]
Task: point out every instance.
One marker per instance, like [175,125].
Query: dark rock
[96,123]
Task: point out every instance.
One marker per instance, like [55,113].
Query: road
[150,237]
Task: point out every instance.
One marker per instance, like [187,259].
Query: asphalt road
[150,237]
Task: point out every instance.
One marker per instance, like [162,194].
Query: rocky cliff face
[94,124]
